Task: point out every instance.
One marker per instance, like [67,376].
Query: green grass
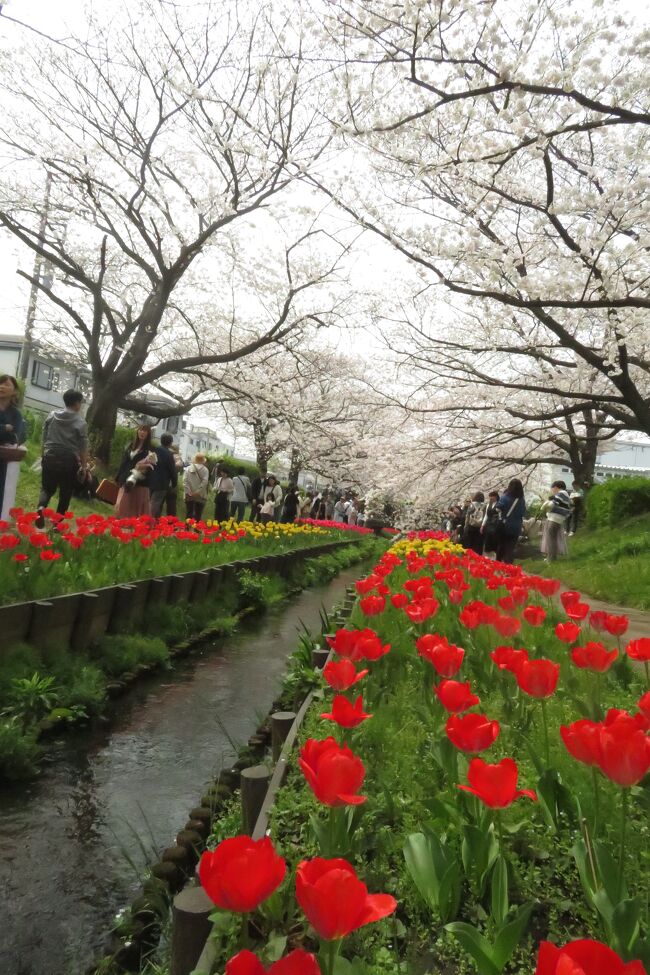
[609,563]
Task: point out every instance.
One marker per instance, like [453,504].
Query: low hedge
[617,499]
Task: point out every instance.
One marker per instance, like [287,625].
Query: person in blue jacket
[512,511]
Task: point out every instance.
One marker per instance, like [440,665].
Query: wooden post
[281,723]
[254,782]
[190,929]
[319,657]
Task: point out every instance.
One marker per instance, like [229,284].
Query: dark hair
[72,396]
[15,399]
[166,440]
[479,496]
[515,489]
[559,484]
[135,444]
[493,494]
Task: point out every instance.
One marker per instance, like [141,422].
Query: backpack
[475,515]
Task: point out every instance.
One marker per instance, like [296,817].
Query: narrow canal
[74,842]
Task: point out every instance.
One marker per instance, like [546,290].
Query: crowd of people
[494,526]
[148,477]
[147,482]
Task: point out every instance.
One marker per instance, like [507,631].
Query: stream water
[74,842]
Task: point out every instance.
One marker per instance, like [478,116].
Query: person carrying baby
[134,497]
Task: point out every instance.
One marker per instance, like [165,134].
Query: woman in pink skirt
[133,499]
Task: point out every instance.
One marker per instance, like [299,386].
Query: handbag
[11,452]
[107,490]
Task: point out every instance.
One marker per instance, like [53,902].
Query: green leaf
[579,851]
[500,902]
[625,923]
[510,935]
[475,945]
[479,851]
[609,872]
[449,896]
[419,854]
[275,945]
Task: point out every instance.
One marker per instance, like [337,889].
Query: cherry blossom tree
[166,131]
[508,143]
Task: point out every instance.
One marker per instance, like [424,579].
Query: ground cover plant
[608,563]
[76,553]
[479,758]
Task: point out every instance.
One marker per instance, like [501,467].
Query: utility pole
[36,277]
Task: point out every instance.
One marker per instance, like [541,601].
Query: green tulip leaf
[500,904]
[510,935]
[625,923]
[476,946]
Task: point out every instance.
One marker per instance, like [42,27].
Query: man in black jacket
[164,476]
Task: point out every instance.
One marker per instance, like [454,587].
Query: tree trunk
[294,469]
[102,420]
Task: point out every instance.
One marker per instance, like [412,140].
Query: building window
[42,375]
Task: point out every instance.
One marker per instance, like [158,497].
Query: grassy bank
[608,563]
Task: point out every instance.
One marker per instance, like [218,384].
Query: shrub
[251,469]
[617,499]
[85,688]
[121,440]
[18,751]
[121,652]
[19,660]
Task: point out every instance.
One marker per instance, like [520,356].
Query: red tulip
[445,657]
[597,619]
[334,774]
[577,611]
[344,643]
[616,625]
[472,732]
[297,962]
[507,603]
[538,678]
[335,901]
[569,597]
[520,595]
[644,706]
[399,600]
[369,646]
[547,587]
[422,610]
[241,873]
[534,615]
[470,617]
[567,632]
[594,656]
[456,596]
[346,714]
[507,658]
[581,740]
[624,750]
[495,785]
[583,957]
[507,625]
[639,649]
[365,586]
[342,674]
[372,605]
[455,696]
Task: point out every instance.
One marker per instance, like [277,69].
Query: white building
[48,377]
[617,458]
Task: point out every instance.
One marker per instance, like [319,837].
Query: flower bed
[77,554]
[530,858]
